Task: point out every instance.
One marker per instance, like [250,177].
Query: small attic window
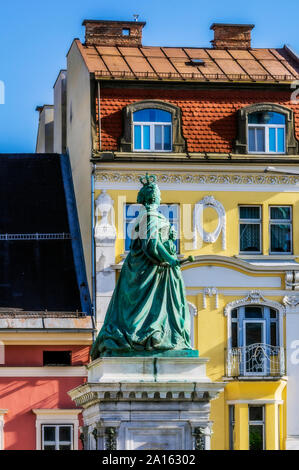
[126,31]
[196,62]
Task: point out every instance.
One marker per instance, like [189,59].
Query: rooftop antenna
[136,17]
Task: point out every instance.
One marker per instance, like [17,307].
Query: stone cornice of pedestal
[160,369]
[92,393]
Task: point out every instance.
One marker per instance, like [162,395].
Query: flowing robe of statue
[148,311]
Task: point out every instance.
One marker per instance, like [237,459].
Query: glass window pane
[280,213]
[254,333]
[281,238]
[146,137]
[272,139]
[251,138]
[65,447]
[49,447]
[273,313]
[64,433]
[249,212]
[167,137]
[260,140]
[266,117]
[280,140]
[273,331]
[253,312]
[234,313]
[256,413]
[158,137]
[250,237]
[276,118]
[49,433]
[256,438]
[255,118]
[137,137]
[234,334]
[151,115]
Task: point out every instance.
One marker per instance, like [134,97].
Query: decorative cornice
[254,297]
[199,178]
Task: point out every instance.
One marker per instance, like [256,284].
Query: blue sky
[36,35]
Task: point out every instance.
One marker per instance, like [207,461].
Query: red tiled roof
[209,121]
[174,63]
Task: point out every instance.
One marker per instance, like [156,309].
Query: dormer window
[152,130]
[266,129]
[152,126]
[266,132]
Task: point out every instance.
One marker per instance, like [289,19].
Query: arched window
[152,130]
[152,126]
[255,337]
[266,128]
[266,132]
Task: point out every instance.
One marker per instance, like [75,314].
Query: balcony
[256,360]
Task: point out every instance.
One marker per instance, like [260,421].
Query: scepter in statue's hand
[187,260]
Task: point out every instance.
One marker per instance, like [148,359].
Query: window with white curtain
[152,130]
[250,229]
[280,229]
[266,132]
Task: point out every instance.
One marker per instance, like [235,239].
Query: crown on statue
[148,179]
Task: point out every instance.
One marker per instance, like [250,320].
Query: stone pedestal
[146,403]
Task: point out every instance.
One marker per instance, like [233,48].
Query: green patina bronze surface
[148,313]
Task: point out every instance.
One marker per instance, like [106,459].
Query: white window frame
[152,135]
[283,222]
[2,413]
[56,417]
[262,322]
[266,128]
[257,423]
[57,442]
[251,222]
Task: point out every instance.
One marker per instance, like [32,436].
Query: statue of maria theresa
[148,312]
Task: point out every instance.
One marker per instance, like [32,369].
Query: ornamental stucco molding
[210,292]
[291,302]
[209,237]
[254,297]
[199,178]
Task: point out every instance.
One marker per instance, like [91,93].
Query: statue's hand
[170,264]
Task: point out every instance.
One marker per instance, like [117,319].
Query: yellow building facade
[222,283]
[208,122]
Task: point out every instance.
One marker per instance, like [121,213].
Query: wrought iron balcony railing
[256,360]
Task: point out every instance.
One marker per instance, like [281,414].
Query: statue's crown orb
[148,179]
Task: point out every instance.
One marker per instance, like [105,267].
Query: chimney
[231,36]
[113,33]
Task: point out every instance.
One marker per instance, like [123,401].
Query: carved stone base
[146,403]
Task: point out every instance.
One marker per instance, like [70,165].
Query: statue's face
[158,198]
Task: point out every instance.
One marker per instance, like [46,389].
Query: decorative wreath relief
[209,237]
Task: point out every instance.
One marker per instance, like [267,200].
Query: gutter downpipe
[94,311]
